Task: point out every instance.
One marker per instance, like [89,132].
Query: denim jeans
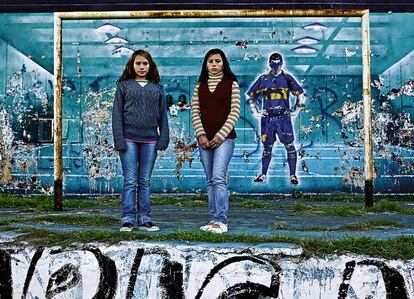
[215,163]
[137,163]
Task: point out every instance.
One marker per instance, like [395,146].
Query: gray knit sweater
[138,113]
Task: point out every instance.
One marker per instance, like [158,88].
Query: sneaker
[126,227]
[206,227]
[218,228]
[148,226]
[294,180]
[260,179]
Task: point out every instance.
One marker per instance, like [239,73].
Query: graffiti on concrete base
[150,273]
[132,270]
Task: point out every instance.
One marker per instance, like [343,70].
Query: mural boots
[294,180]
[260,179]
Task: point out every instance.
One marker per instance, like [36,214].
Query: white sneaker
[218,228]
[126,227]
[206,227]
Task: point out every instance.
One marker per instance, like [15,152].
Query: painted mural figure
[274,88]
[140,128]
[215,111]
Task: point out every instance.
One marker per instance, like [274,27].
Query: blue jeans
[137,163]
[215,163]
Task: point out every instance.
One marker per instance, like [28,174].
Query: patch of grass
[44,237]
[375,224]
[401,197]
[316,228]
[398,248]
[201,201]
[341,197]
[305,197]
[40,202]
[190,201]
[332,198]
[336,210]
[383,206]
[6,221]
[280,225]
[101,202]
[386,205]
[372,225]
[250,203]
[78,220]
[46,203]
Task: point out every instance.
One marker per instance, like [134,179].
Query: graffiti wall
[322,54]
[138,270]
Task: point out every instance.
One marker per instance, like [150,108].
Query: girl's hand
[203,141]
[215,142]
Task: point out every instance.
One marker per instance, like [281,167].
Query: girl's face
[214,64]
[141,67]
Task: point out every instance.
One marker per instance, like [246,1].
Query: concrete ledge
[199,270]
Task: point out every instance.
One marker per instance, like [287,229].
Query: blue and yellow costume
[274,91]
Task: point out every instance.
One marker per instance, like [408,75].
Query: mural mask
[276,62]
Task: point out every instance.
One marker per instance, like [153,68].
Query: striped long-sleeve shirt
[234,108]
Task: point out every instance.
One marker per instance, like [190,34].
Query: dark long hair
[226,67]
[129,72]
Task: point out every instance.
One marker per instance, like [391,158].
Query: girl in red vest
[215,111]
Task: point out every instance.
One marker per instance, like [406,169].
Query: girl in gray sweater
[140,128]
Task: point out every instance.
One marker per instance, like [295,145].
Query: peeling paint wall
[142,270]
[328,134]
[25,118]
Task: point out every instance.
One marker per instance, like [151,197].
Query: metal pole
[366,85]
[57,115]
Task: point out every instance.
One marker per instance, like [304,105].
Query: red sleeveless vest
[215,107]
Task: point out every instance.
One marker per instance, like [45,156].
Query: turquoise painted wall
[328,133]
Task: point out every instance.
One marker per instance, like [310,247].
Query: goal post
[265,13]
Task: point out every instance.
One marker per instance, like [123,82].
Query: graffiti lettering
[6,289]
[170,277]
[69,273]
[247,289]
[158,272]
[394,282]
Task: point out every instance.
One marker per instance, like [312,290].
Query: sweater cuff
[120,145]
[162,144]
[220,137]
[201,133]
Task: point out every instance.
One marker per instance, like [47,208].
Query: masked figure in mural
[140,128]
[273,89]
[215,111]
